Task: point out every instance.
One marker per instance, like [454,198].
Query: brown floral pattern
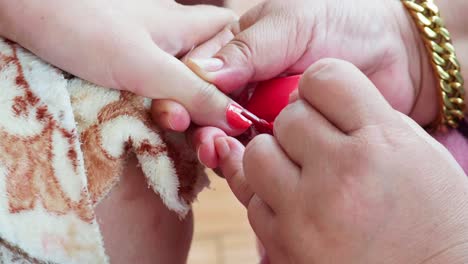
[31,178]
[62,150]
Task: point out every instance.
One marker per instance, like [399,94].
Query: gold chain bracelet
[443,59]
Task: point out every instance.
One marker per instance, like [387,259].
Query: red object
[235,117]
[264,105]
[262,126]
[272,96]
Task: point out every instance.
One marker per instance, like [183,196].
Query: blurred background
[222,232]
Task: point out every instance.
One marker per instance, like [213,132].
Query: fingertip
[343,95]
[213,70]
[230,152]
[179,121]
[222,148]
[228,147]
[205,68]
[205,20]
[203,140]
[212,46]
[170,115]
[207,155]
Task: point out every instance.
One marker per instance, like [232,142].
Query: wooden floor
[222,233]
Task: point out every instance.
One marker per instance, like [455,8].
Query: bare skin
[366,185]
[110,206]
[128,46]
[137,227]
[277,37]
[396,61]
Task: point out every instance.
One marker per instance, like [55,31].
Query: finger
[230,153]
[260,50]
[210,47]
[304,134]
[205,21]
[196,24]
[203,139]
[294,96]
[158,75]
[261,219]
[344,95]
[269,172]
[170,115]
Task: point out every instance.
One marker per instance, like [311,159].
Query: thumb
[260,48]
[153,73]
[230,153]
[198,23]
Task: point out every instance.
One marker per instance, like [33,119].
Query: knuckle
[293,117]
[255,153]
[326,65]
[204,95]
[251,214]
[245,191]
[326,72]
[254,148]
[243,46]
[233,29]
[363,152]
[287,115]
[252,209]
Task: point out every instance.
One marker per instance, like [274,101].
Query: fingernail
[165,118]
[198,156]
[235,118]
[169,121]
[208,65]
[222,147]
[293,96]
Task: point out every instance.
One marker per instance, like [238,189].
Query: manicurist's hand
[347,179]
[127,45]
[286,37]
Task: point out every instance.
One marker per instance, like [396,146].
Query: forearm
[454,14]
[10,13]
[24,21]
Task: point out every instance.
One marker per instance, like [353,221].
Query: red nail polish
[235,118]
[262,126]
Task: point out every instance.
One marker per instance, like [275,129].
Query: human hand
[286,37]
[125,45]
[347,179]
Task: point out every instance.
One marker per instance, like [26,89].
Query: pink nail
[222,147]
[294,96]
[198,156]
[208,65]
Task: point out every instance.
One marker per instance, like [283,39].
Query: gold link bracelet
[443,59]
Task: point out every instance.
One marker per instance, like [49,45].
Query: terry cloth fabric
[63,146]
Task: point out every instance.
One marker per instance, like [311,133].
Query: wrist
[428,103]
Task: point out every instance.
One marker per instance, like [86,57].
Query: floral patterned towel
[63,146]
